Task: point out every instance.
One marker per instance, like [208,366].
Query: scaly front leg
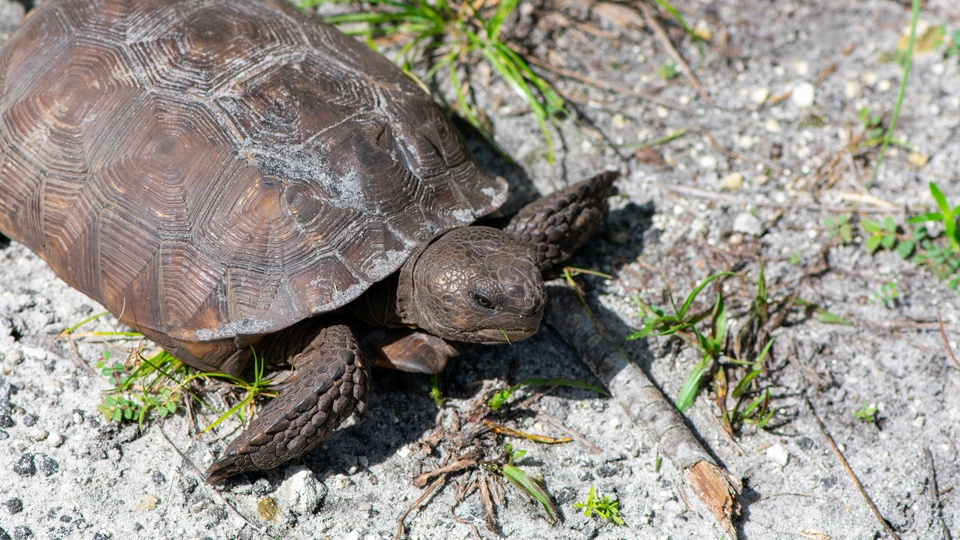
[331,381]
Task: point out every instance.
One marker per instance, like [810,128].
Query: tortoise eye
[483,301]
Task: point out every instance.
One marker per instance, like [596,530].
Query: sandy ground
[754,174]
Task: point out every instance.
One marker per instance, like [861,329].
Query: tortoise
[231,176]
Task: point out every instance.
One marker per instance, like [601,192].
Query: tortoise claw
[331,382]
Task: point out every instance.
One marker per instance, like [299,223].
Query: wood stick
[645,404]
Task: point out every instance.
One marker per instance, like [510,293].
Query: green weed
[526,483]
[902,90]
[154,386]
[668,71]
[917,244]
[839,229]
[601,505]
[887,296]
[867,413]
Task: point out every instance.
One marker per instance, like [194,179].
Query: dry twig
[662,34]
[856,482]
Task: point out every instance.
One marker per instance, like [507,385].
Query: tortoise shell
[209,169]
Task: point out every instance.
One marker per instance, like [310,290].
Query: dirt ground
[763,155]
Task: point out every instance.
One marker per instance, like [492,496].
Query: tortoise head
[479,285]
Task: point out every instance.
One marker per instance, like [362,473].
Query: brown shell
[217,168]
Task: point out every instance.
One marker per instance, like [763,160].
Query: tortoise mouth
[497,336]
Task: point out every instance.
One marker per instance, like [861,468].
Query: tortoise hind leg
[556,225]
[331,381]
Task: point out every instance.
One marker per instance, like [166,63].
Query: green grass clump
[600,505]
[147,388]
[452,35]
[732,363]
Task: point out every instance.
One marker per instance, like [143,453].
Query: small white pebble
[708,162]
[38,434]
[851,89]
[148,502]
[618,121]
[772,125]
[77,418]
[55,440]
[614,423]
[778,455]
[884,85]
[803,95]
[747,223]
[732,182]
[918,423]
[759,95]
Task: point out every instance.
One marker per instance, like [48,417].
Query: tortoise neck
[390,302]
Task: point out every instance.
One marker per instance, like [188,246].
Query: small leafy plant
[887,295]
[867,413]
[917,244]
[839,229]
[602,506]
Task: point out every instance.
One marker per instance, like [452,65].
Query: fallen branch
[645,405]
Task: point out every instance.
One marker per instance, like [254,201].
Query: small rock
[55,440]
[747,223]
[300,491]
[267,508]
[708,163]
[22,533]
[4,535]
[25,466]
[158,478]
[102,535]
[732,182]
[13,505]
[37,434]
[29,420]
[618,121]
[918,159]
[340,481]
[35,353]
[199,506]
[147,503]
[48,466]
[759,95]
[778,455]
[772,126]
[352,535]
[803,95]
[918,423]
[736,239]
